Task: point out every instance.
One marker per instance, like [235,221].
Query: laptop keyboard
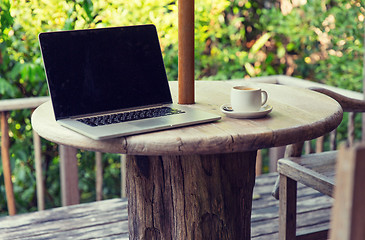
[129,116]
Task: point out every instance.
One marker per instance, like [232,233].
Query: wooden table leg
[191,196]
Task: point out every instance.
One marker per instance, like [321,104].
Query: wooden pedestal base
[190,197]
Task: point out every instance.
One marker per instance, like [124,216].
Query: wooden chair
[314,170]
[347,218]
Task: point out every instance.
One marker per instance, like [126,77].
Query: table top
[298,114]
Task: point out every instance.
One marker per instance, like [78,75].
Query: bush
[320,41]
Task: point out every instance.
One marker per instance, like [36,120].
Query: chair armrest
[347,104]
[314,170]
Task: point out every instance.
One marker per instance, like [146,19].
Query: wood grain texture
[108,219]
[296,117]
[191,197]
[314,170]
[97,220]
[196,181]
[348,104]
[347,220]
[287,208]
[186,52]
[292,150]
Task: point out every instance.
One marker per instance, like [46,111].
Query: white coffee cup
[247,98]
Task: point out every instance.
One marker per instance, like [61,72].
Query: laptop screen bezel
[77,61]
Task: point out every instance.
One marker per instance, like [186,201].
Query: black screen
[96,70]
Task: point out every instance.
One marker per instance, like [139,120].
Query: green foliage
[324,38]
[318,40]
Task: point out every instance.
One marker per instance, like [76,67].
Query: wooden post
[275,153]
[5,144]
[319,144]
[186,51]
[259,163]
[333,138]
[123,175]
[293,150]
[307,147]
[351,129]
[99,175]
[190,197]
[38,170]
[69,176]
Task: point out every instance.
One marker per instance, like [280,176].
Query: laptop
[111,82]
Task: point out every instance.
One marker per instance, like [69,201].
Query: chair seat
[315,170]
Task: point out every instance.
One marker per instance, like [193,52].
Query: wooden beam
[5,144]
[186,51]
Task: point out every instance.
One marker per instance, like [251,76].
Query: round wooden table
[196,182]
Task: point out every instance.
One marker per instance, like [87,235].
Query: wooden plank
[313,209]
[320,233]
[5,157]
[108,219]
[100,219]
[347,220]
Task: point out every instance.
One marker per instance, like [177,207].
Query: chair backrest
[347,220]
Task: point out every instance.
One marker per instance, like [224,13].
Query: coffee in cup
[247,98]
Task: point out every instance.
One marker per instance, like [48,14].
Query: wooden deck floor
[313,209]
[108,219]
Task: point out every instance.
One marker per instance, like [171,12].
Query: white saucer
[264,110]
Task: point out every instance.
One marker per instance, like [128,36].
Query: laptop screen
[97,70]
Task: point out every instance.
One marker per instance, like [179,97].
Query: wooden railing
[5,107]
[68,162]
